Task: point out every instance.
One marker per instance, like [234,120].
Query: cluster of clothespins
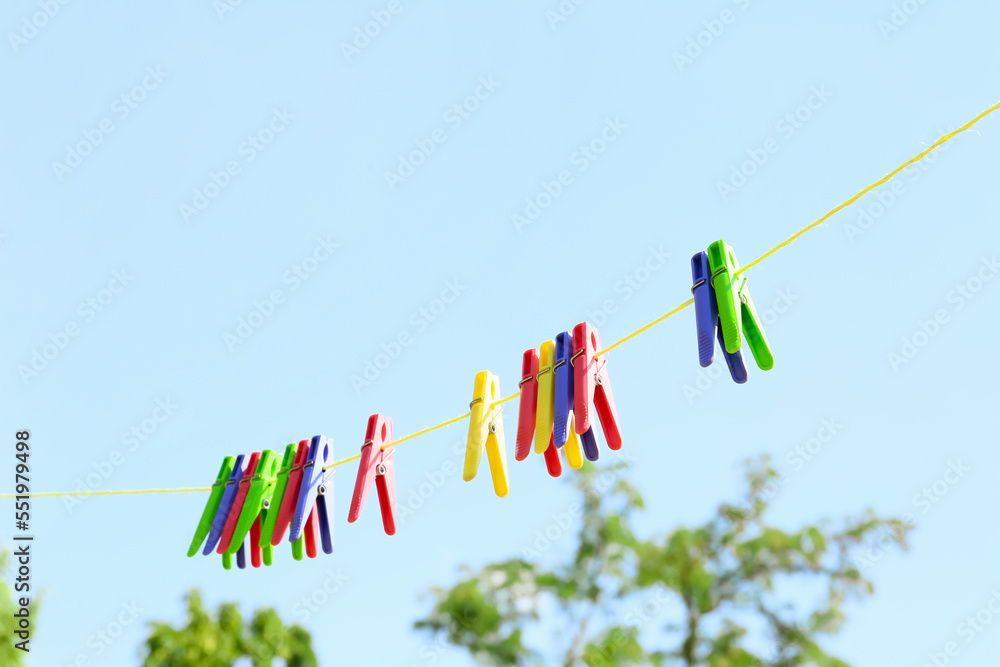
[561,380]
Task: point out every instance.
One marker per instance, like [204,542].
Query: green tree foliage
[733,592]
[10,656]
[219,640]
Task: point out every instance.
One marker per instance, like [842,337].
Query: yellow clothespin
[486,430]
[546,395]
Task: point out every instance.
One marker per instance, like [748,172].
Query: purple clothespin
[565,397]
[241,556]
[706,313]
[228,496]
[316,485]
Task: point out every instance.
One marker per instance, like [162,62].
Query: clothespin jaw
[237,508]
[212,506]
[528,404]
[737,314]
[272,506]
[563,428]
[316,483]
[261,488]
[707,320]
[225,504]
[376,466]
[486,431]
[592,385]
[546,395]
[553,461]
[291,498]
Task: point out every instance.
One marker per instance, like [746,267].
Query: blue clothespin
[228,496]
[564,433]
[241,557]
[706,313]
[316,485]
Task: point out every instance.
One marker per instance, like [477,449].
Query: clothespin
[737,314]
[316,485]
[591,385]
[237,508]
[225,503]
[212,506]
[272,506]
[259,489]
[528,404]
[706,312]
[564,433]
[486,431]
[376,465]
[546,395]
[286,510]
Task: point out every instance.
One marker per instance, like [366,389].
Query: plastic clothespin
[737,314]
[225,503]
[486,431]
[316,484]
[706,313]
[564,433]
[546,395]
[241,557]
[528,404]
[212,506]
[553,461]
[291,497]
[237,508]
[272,506]
[260,490]
[592,386]
[376,465]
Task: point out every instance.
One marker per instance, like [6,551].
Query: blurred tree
[713,592]
[10,655]
[220,641]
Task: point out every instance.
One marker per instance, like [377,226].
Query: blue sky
[169,171]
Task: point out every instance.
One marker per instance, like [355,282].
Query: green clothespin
[281,482]
[260,492]
[227,561]
[737,314]
[299,547]
[205,524]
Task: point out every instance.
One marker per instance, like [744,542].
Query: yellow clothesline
[836,209]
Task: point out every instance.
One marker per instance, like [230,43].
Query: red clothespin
[376,465]
[528,405]
[241,496]
[591,385]
[553,462]
[287,509]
